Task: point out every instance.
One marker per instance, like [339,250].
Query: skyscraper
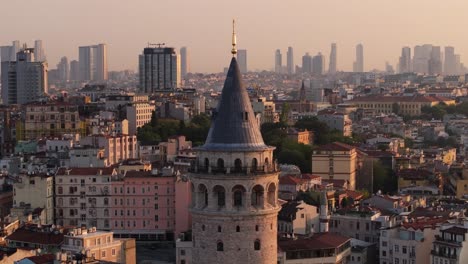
[450,61]
[435,61]
[93,63]
[74,70]
[278,61]
[318,64]
[405,60]
[23,80]
[307,63]
[39,51]
[333,59]
[359,63]
[184,62]
[290,62]
[8,53]
[159,69]
[63,69]
[242,60]
[235,185]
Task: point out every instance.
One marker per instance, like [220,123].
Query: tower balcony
[247,170]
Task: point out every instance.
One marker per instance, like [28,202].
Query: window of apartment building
[397,261]
[103,254]
[106,201]
[94,179]
[113,252]
[60,190]
[384,243]
[156,218]
[121,212]
[397,248]
[156,206]
[82,181]
[83,217]
[367,226]
[83,206]
[404,249]
[357,225]
[384,253]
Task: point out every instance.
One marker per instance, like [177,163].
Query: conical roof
[234,125]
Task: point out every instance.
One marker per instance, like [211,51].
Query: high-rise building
[450,63]
[435,61]
[307,63]
[23,80]
[318,64]
[159,69]
[242,60]
[8,53]
[290,60]
[93,63]
[39,54]
[421,58]
[359,63]
[184,62]
[278,61]
[405,60]
[74,70]
[333,59]
[235,185]
[15,48]
[63,69]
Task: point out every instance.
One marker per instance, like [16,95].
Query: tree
[284,116]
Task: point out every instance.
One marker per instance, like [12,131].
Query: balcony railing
[443,254]
[235,170]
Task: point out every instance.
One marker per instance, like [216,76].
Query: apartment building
[116,147]
[451,245]
[52,119]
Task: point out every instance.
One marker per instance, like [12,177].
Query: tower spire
[234,40]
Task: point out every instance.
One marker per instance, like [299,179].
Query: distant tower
[290,62]
[93,62]
[64,69]
[307,63]
[278,61]
[242,60]
[318,64]
[235,185]
[405,60]
[39,51]
[184,62]
[359,63]
[159,69]
[333,59]
[324,216]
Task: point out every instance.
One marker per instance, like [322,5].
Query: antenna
[234,40]
[159,45]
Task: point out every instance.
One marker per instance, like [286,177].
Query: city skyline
[383,41]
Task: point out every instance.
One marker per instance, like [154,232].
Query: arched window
[256,228]
[237,165]
[254,164]
[237,229]
[257,244]
[272,194]
[202,196]
[219,195]
[219,246]
[220,163]
[207,163]
[238,192]
[106,212]
[257,196]
[106,201]
[266,162]
[219,229]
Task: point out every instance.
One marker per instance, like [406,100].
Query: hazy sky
[382,26]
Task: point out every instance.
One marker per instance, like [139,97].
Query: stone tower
[234,185]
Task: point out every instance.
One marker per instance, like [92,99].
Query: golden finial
[234,40]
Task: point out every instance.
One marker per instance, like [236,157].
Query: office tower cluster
[313,65]
[159,69]
[24,80]
[93,63]
[8,53]
[289,68]
[429,59]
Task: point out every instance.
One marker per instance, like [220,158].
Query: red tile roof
[289,180]
[310,176]
[336,146]
[315,242]
[31,236]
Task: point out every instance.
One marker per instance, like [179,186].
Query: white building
[138,114]
[116,147]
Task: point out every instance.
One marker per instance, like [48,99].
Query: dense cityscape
[300,163]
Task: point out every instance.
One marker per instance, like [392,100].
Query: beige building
[83,196]
[297,217]
[336,161]
[337,121]
[35,191]
[100,245]
[461,184]
[139,114]
[53,119]
[116,148]
[266,110]
[403,105]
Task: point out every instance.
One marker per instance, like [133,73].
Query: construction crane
[159,45]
